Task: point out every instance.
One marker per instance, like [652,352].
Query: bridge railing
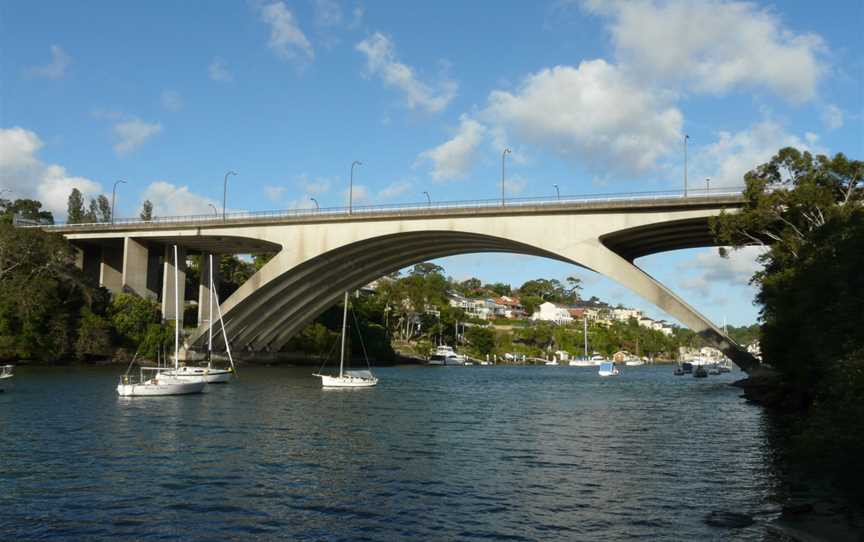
[410,209]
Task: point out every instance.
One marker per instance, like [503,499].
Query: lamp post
[707,185]
[686,137]
[351,184]
[225,191]
[316,203]
[113,194]
[428,198]
[557,192]
[215,211]
[503,154]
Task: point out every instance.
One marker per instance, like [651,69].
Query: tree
[29,209]
[807,212]
[481,339]
[427,268]
[146,210]
[75,213]
[103,209]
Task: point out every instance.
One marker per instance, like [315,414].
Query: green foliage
[25,208]
[94,336]
[75,213]
[480,339]
[146,210]
[808,212]
[132,316]
[41,295]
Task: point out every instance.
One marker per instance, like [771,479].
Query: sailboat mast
[210,317]
[585,333]
[176,312]
[344,326]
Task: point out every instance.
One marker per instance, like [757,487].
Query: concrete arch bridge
[319,254]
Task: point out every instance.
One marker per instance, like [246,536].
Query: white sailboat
[6,375]
[152,381]
[347,379]
[208,374]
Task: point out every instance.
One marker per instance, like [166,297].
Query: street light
[428,198]
[316,203]
[114,193]
[707,186]
[225,192]
[351,184]
[686,137]
[557,192]
[215,211]
[503,154]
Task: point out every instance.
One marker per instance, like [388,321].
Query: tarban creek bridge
[320,253]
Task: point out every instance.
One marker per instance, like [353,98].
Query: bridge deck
[588,204]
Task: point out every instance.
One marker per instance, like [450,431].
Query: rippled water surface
[473,453]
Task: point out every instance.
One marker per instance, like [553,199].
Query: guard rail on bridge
[528,204]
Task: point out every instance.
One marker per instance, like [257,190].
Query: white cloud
[133,133]
[454,159]
[514,186]
[287,40]
[708,269]
[314,187]
[714,46]
[360,195]
[28,177]
[356,17]
[218,71]
[172,200]
[381,61]
[733,154]
[274,193]
[592,113]
[394,190]
[306,203]
[171,100]
[56,69]
[327,13]
[832,117]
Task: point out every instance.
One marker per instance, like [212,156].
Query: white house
[550,312]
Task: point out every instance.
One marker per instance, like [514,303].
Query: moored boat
[347,378]
[608,369]
[6,374]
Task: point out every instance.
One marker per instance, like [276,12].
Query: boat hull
[347,381]
[200,374]
[161,386]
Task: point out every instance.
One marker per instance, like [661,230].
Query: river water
[458,453]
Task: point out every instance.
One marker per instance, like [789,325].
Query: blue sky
[592,96]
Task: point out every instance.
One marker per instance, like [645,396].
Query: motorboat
[6,374]
[581,362]
[634,363]
[713,369]
[445,355]
[151,381]
[679,370]
[553,363]
[687,367]
[608,369]
[700,372]
[597,359]
[347,378]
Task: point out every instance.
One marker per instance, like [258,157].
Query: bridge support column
[135,256]
[111,267]
[204,288]
[168,312]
